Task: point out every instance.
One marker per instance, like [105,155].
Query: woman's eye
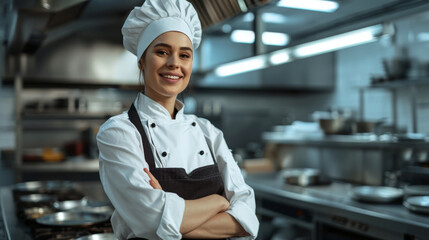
[161,52]
[184,56]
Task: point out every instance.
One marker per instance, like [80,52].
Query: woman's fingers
[153,182]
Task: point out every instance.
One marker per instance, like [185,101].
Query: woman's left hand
[153,182]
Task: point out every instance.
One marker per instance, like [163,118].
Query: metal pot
[301,176]
[335,125]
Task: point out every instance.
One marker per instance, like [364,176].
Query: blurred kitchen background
[342,89]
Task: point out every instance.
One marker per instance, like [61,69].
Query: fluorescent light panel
[329,44]
[273,18]
[337,42]
[280,57]
[268,38]
[275,38]
[245,65]
[311,5]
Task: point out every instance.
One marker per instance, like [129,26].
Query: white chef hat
[156,17]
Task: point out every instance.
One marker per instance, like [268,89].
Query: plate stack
[417,198]
[418,204]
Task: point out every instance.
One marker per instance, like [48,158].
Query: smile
[170,76]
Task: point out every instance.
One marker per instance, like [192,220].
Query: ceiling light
[248,17]
[268,38]
[337,42]
[275,38]
[312,5]
[273,18]
[245,65]
[353,38]
[243,36]
[280,57]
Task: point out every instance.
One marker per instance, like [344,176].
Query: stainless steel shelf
[87,165]
[400,83]
[349,141]
[58,115]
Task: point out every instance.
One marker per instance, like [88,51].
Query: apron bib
[199,183]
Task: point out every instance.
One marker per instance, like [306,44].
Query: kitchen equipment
[418,204]
[377,194]
[43,186]
[416,190]
[336,126]
[69,204]
[72,219]
[301,176]
[99,236]
[37,198]
[36,212]
[396,68]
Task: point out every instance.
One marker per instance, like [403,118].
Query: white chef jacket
[140,210]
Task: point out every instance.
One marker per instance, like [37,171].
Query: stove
[21,224]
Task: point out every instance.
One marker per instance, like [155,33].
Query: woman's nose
[173,62]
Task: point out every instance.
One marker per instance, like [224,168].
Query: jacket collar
[149,109]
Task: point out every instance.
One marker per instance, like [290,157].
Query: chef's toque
[156,17]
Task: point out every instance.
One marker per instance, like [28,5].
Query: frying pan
[377,194]
[98,236]
[70,204]
[43,186]
[36,212]
[37,198]
[72,219]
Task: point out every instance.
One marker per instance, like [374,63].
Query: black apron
[199,183]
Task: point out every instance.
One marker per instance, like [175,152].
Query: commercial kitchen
[324,107]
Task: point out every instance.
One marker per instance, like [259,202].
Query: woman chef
[170,175]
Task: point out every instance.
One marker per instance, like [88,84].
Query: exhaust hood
[34,23]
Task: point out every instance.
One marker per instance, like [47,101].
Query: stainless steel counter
[353,141]
[333,203]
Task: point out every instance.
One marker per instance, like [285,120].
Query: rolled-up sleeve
[240,195]
[145,212]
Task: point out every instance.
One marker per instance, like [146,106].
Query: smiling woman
[170,175]
[167,67]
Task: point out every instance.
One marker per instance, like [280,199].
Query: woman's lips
[170,78]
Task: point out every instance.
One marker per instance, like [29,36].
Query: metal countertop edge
[332,207]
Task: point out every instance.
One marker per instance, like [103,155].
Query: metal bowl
[98,236]
[378,194]
[72,219]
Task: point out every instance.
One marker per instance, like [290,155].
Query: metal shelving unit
[51,122]
[393,86]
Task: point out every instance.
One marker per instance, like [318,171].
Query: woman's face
[167,65]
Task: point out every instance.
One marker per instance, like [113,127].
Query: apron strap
[134,118]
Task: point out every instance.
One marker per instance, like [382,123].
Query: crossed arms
[206,217]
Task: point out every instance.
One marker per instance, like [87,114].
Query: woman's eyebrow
[169,46]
